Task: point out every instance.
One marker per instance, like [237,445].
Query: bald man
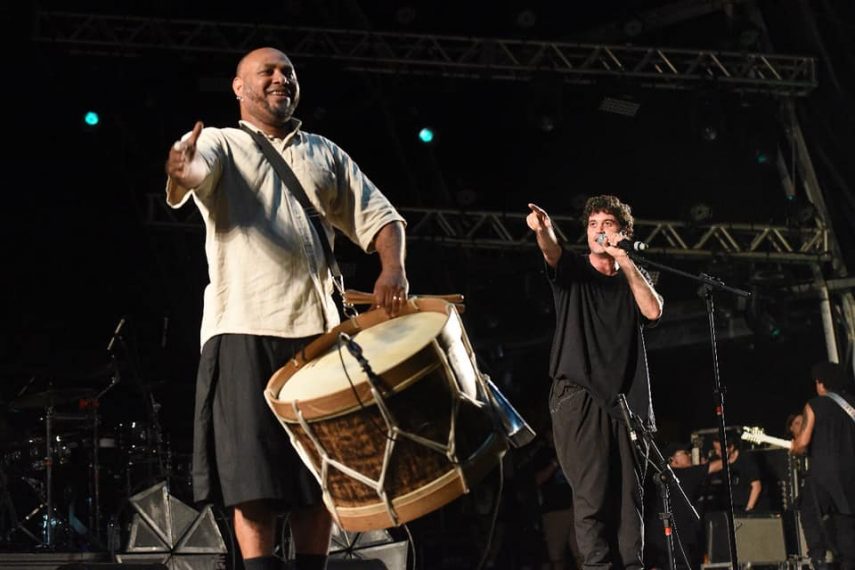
[270,293]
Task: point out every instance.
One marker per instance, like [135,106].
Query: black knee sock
[311,561]
[262,563]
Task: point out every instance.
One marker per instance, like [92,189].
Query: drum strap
[286,174]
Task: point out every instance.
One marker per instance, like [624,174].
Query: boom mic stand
[664,477]
[708,285]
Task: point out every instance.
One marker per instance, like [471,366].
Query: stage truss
[431,54]
[502,230]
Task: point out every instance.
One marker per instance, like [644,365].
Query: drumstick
[362,298]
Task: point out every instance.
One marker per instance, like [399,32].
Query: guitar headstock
[753,434]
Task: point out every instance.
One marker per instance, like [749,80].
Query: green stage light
[91,119]
[426,135]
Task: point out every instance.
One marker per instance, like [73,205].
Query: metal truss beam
[498,230]
[449,56]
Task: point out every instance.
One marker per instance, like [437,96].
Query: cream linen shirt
[266,267]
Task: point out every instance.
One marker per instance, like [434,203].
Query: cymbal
[50,398]
[63,373]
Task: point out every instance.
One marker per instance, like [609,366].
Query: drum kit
[63,474]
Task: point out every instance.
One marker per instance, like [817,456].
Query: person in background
[828,439]
[689,530]
[745,484]
[794,424]
[556,506]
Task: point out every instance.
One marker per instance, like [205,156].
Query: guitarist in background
[828,438]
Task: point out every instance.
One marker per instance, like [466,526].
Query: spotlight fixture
[700,212]
[526,19]
[620,106]
[405,15]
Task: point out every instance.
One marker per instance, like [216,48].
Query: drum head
[384,346]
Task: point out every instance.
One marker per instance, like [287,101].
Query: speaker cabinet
[759,538]
[109,566]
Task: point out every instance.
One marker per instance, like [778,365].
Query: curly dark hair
[611,205]
[832,375]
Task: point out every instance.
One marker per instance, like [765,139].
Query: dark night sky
[83,257]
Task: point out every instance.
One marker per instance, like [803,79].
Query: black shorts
[240,451]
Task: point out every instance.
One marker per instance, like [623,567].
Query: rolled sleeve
[360,209]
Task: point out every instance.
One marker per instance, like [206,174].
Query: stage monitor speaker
[109,566]
[759,538]
[333,564]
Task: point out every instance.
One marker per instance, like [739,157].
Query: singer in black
[602,301]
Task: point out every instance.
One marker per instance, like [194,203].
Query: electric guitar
[757,435]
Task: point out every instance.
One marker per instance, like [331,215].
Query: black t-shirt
[598,342]
[742,472]
[832,451]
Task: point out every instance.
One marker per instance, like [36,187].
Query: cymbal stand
[95,512]
[47,531]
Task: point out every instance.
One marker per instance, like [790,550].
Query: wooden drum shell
[428,395]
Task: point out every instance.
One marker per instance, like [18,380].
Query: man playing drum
[602,299]
[269,294]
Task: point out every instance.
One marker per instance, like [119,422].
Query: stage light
[426,135]
[91,118]
[700,213]
[622,105]
[405,15]
[709,133]
[526,19]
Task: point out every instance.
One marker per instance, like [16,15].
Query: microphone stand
[664,476]
[708,285]
[356,351]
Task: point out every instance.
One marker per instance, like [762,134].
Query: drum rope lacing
[390,434]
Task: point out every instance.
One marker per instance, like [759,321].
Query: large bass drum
[394,445]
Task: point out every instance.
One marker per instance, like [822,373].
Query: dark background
[80,257]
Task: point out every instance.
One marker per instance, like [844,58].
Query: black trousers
[824,526]
[599,461]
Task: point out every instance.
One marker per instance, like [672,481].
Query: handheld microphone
[624,244]
[116,334]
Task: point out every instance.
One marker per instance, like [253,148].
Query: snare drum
[415,438]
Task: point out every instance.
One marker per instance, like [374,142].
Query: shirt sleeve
[210,149]
[565,272]
[358,209]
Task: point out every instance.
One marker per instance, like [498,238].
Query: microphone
[354,349]
[627,417]
[624,244]
[164,332]
[116,334]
